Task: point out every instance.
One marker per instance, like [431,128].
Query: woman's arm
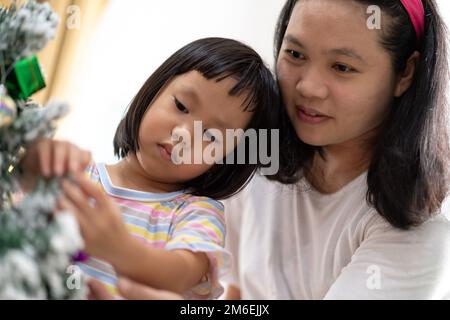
[235,208]
[130,290]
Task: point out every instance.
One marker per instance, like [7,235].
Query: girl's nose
[311,86]
[183,133]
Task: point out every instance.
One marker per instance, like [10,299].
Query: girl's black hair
[214,58]
[408,178]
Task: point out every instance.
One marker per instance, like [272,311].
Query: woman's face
[336,79]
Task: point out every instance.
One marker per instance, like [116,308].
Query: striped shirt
[168,221]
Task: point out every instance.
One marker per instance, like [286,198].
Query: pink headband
[416,13]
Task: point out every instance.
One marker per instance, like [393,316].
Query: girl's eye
[180,106]
[343,68]
[294,54]
[209,136]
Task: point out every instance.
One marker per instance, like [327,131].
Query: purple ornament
[80,256]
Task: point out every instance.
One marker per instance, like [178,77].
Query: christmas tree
[37,246]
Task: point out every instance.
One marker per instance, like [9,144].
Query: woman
[355,211]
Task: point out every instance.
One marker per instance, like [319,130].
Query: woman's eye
[295,54]
[343,68]
[180,106]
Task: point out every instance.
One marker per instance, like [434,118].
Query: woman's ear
[406,78]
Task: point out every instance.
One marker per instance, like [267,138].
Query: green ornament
[25,79]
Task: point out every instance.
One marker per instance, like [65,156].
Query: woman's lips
[310,116]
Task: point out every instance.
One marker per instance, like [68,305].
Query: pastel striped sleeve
[91,172]
[200,227]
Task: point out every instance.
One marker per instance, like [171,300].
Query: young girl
[173,232]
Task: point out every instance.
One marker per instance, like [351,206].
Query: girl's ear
[406,78]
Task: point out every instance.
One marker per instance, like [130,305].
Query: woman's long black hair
[408,177]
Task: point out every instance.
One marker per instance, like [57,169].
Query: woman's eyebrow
[338,51]
[293,40]
[346,52]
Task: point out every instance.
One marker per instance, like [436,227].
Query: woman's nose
[311,85]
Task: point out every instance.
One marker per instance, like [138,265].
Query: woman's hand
[101,225]
[129,290]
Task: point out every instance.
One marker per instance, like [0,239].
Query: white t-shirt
[291,242]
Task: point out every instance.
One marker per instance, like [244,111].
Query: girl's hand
[104,233]
[49,158]
[97,291]
[130,290]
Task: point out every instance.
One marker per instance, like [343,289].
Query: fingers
[86,159]
[129,290]
[97,291]
[68,158]
[60,155]
[65,205]
[57,158]
[45,157]
[77,199]
[134,291]
[92,189]
[78,159]
[48,158]
[74,159]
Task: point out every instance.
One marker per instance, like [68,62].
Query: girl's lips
[165,151]
[310,116]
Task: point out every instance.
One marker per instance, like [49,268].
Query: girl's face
[336,79]
[187,98]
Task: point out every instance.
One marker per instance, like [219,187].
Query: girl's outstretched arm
[107,237]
